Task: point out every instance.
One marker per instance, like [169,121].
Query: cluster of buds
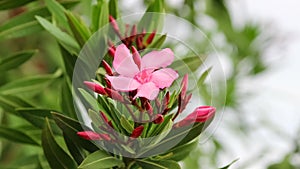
[130,37]
[135,82]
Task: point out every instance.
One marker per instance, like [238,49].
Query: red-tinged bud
[139,42]
[111,44]
[159,119]
[200,115]
[167,99]
[127,27]
[111,51]
[133,31]
[137,132]
[114,94]
[95,87]
[89,135]
[148,106]
[115,26]
[184,85]
[150,38]
[136,56]
[108,83]
[105,137]
[104,117]
[107,68]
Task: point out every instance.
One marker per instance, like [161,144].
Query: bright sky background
[277,91]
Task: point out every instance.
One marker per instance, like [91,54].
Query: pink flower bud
[159,119]
[114,94]
[107,68]
[184,85]
[111,51]
[136,56]
[95,87]
[137,132]
[89,135]
[200,115]
[115,26]
[150,38]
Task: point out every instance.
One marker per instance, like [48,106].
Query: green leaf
[100,159]
[90,99]
[26,24]
[76,151]
[70,127]
[29,85]
[162,164]
[11,103]
[9,4]
[181,152]
[152,19]
[126,125]
[37,117]
[188,64]
[58,11]
[63,38]
[227,166]
[113,8]
[69,61]
[79,29]
[100,15]
[67,103]
[204,76]
[15,60]
[157,42]
[56,156]
[16,136]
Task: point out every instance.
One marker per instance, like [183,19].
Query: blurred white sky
[277,92]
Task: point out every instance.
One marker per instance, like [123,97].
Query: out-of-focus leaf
[113,8]
[10,103]
[161,164]
[227,166]
[203,76]
[70,127]
[69,61]
[26,24]
[29,85]
[188,64]
[76,151]
[58,11]
[9,4]
[79,29]
[152,19]
[16,136]
[63,38]
[37,117]
[56,156]
[99,160]
[100,15]
[90,99]
[15,60]
[157,42]
[126,125]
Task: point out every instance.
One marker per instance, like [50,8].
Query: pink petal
[147,90]
[164,77]
[158,59]
[123,62]
[122,83]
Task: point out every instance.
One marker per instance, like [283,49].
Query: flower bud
[200,115]
[136,56]
[115,26]
[137,132]
[107,68]
[95,87]
[89,135]
[159,119]
[184,85]
[114,94]
[150,38]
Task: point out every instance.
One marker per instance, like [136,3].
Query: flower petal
[158,59]
[147,90]
[123,62]
[122,83]
[164,77]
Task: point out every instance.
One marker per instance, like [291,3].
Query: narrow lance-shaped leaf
[70,127]
[99,160]
[188,64]
[76,151]
[17,59]
[56,156]
[79,29]
[16,136]
[113,8]
[100,15]
[9,4]
[58,11]
[67,103]
[63,38]
[10,103]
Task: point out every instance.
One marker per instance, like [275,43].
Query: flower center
[144,76]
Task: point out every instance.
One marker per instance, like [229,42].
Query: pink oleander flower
[200,115]
[147,75]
